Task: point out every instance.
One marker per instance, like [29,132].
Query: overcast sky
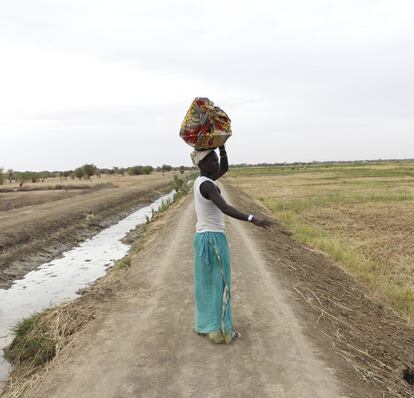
[109,82]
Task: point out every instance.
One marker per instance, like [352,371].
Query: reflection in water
[61,278]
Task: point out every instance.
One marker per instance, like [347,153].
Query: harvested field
[360,215]
[18,199]
[37,225]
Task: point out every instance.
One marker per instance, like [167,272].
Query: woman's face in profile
[210,163]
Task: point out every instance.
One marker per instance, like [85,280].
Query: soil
[307,328]
[39,231]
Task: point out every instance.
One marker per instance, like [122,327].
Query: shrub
[139,170]
[89,170]
[79,173]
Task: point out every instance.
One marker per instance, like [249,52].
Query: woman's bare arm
[210,191]
[224,164]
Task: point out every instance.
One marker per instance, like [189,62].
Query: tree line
[83,172]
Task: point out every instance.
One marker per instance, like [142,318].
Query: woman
[212,269]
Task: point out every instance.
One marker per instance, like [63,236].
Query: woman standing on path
[212,268]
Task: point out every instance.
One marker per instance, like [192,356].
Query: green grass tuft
[124,262]
[32,343]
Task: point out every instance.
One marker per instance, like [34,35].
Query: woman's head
[209,164]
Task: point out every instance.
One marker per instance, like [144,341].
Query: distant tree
[166,167]
[182,169]
[148,169]
[132,171]
[79,172]
[89,170]
[22,177]
[1,176]
[43,175]
[10,175]
[67,173]
[34,177]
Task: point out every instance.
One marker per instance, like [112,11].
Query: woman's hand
[262,222]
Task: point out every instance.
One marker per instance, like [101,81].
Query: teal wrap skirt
[212,284]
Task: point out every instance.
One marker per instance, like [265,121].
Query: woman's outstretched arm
[210,191]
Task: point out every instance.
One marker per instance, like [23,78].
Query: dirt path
[144,345]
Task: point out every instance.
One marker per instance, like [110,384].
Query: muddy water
[55,281]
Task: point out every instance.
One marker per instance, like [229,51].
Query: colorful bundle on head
[205,126]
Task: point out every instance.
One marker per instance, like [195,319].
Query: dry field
[52,189]
[358,214]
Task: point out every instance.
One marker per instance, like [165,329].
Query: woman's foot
[216,337]
[234,336]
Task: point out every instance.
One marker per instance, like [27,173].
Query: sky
[109,82]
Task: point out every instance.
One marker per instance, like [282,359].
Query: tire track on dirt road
[144,344]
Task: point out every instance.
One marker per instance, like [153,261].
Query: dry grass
[361,220]
[373,370]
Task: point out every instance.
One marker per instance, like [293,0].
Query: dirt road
[143,344]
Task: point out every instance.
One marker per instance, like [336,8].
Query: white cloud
[301,80]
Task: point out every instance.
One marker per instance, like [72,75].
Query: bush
[89,170]
[79,173]
[148,169]
[166,167]
[139,170]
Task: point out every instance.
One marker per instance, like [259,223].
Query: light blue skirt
[212,283]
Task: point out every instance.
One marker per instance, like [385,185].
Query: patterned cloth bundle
[205,126]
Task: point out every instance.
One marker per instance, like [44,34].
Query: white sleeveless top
[209,217]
